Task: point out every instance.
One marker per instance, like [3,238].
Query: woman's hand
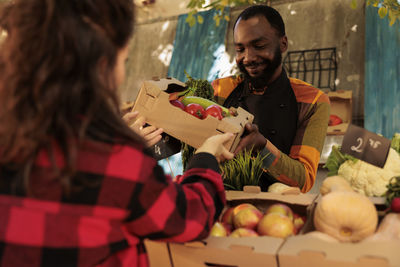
[215,146]
[150,134]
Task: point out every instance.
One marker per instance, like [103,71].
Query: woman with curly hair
[76,185]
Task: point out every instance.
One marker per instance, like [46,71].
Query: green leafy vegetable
[201,88]
[335,159]
[244,169]
[393,190]
[395,143]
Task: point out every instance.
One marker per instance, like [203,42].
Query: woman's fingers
[148,130]
[130,116]
[215,146]
[138,125]
[227,155]
[153,137]
[150,134]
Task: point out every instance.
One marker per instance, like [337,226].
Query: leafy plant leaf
[382,11]
[200,19]
[335,159]
[353,4]
[392,18]
[201,88]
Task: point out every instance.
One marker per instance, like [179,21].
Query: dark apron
[275,113]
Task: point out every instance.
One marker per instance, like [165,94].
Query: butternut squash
[347,216]
[334,183]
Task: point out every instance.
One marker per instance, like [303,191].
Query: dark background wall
[310,24]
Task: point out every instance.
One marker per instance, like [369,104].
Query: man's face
[258,50]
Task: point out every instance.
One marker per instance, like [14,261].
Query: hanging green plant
[219,5]
[386,8]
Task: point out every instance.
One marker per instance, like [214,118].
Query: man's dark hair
[273,17]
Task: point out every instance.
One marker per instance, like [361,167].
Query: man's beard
[262,80]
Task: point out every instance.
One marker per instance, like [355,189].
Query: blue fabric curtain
[199,51]
[197,48]
[382,74]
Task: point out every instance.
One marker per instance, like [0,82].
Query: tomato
[195,109]
[178,104]
[215,111]
[334,120]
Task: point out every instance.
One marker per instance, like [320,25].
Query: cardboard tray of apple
[277,219]
[256,213]
[259,243]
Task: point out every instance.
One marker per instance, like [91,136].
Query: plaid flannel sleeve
[165,210]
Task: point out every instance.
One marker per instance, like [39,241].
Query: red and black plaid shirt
[120,196]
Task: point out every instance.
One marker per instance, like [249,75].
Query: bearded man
[290,116]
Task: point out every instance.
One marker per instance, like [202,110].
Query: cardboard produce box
[158,253]
[342,106]
[153,103]
[309,251]
[230,251]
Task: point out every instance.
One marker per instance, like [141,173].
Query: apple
[247,218]
[227,216]
[242,206]
[281,209]
[276,224]
[243,232]
[219,229]
[229,227]
[298,221]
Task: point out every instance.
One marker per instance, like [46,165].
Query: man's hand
[252,139]
[150,134]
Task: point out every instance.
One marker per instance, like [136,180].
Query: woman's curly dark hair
[57,77]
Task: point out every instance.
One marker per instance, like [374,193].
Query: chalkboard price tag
[365,145]
[165,148]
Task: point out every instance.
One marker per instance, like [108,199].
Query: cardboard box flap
[151,89]
[163,84]
[339,129]
[340,94]
[342,106]
[236,122]
[341,252]
[255,244]
[158,253]
[300,199]
[227,251]
[154,87]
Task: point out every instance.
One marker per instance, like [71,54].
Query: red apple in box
[243,232]
[219,229]
[298,221]
[227,216]
[277,225]
[281,209]
[243,206]
[247,218]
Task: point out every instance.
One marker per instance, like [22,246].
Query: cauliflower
[368,179]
